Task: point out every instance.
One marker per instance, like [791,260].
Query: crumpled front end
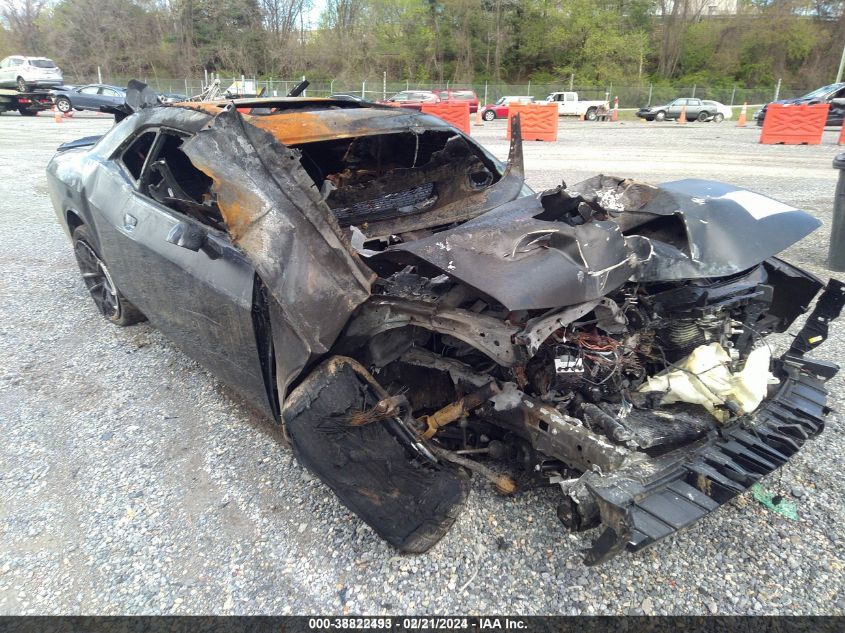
[594,398]
[608,339]
[644,503]
[640,505]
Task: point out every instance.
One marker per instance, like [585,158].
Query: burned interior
[420,318]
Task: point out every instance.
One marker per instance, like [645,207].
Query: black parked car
[376,282]
[96,97]
[834,94]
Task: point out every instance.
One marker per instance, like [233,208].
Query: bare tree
[677,16]
[281,16]
[282,20]
[22,17]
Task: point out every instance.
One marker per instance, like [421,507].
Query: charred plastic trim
[815,330]
[377,469]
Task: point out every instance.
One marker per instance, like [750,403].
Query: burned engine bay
[607,337]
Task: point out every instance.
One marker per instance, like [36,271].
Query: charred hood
[570,245]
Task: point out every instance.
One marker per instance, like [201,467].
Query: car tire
[718,117]
[590,114]
[660,116]
[703,116]
[63,105]
[27,112]
[21,84]
[107,297]
[489,115]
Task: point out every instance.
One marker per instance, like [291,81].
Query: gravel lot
[133,482]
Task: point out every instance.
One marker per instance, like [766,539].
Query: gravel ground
[133,482]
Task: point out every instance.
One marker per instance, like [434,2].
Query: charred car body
[379,284]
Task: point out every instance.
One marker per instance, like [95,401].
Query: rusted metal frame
[557,435]
[458,371]
[459,409]
[489,335]
[504,483]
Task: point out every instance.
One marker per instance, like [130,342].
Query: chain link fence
[629,96]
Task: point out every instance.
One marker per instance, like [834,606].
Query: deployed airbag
[704,377]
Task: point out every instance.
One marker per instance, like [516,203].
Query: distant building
[719,7]
[704,8]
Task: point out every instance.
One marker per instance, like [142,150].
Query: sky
[313,15]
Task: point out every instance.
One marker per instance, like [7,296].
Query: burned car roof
[295,120]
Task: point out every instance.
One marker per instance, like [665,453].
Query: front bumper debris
[639,511]
[649,501]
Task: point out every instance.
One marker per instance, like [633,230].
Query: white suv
[29,72]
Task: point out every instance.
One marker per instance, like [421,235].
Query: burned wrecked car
[380,285]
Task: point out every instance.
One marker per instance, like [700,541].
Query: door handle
[194,238]
[129,222]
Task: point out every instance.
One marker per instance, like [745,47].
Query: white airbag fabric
[704,377]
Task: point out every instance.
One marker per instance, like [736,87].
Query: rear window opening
[380,177]
[42,63]
[174,181]
[136,154]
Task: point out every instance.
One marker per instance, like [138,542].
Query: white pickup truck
[568,104]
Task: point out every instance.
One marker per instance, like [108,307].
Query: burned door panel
[203,304]
[276,216]
[201,301]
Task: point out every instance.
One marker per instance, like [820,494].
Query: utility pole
[841,66]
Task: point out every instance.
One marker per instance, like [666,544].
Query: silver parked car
[24,73]
[694,110]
